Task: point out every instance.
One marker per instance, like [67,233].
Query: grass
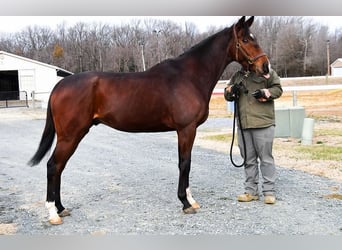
[219,137]
[329,132]
[321,152]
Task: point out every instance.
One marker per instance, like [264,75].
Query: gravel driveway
[123,183]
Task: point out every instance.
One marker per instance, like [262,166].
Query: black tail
[46,140]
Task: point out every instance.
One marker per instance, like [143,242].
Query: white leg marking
[189,197]
[191,200]
[53,216]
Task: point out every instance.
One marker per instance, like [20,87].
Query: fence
[11,99]
[40,99]
[292,89]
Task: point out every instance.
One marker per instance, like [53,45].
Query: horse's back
[151,101]
[129,102]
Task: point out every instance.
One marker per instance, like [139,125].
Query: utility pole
[305,55]
[328,58]
[141,43]
[157,32]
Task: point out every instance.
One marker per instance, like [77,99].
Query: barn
[336,67]
[21,76]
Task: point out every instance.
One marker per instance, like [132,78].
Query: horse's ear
[250,21]
[241,22]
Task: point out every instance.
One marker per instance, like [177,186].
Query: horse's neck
[210,60]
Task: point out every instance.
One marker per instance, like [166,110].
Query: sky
[20,22]
[12,24]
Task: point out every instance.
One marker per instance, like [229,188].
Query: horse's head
[245,49]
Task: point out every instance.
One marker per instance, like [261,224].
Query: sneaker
[270,199]
[247,197]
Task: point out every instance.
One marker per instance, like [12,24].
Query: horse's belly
[136,123]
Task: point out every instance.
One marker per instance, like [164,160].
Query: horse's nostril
[265,67]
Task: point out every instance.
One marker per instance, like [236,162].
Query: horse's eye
[247,38]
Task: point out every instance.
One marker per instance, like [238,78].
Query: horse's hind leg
[51,192]
[55,166]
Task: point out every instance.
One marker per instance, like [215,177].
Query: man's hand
[262,95]
[267,93]
[233,89]
[228,89]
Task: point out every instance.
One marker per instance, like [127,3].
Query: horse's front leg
[186,139]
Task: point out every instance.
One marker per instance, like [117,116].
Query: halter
[239,46]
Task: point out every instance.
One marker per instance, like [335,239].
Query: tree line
[296,46]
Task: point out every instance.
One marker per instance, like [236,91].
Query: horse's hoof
[189,210]
[64,213]
[56,221]
[195,205]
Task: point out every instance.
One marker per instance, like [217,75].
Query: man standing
[255,96]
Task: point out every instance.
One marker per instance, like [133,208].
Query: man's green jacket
[253,113]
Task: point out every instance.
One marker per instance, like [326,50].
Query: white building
[20,75]
[336,67]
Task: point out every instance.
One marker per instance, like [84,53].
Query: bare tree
[296,46]
[319,43]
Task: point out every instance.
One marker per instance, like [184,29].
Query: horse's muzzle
[266,68]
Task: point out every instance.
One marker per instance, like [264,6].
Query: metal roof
[337,63]
[60,71]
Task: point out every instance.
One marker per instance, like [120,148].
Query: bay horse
[173,95]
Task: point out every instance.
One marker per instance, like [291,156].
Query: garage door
[27,80]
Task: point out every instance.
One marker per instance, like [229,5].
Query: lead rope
[237,113]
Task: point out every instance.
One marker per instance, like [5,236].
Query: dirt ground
[106,197]
[121,203]
[325,107]
[325,104]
